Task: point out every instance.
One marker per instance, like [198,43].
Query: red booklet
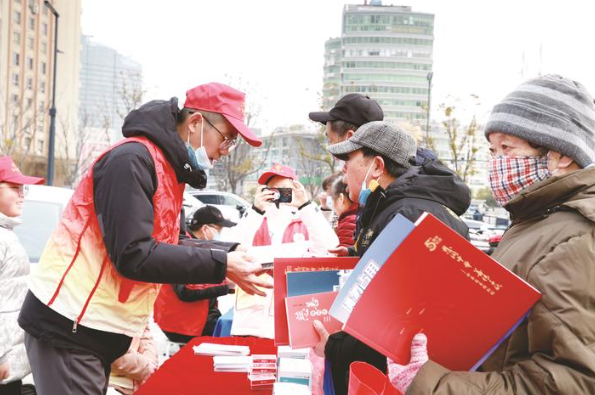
[284,265]
[437,283]
[302,311]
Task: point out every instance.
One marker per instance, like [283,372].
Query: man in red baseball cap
[99,275]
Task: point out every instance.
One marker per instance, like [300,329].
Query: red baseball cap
[224,100]
[9,172]
[277,170]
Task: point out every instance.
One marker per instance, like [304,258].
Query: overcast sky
[275,47]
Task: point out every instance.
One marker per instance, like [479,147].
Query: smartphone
[282,195]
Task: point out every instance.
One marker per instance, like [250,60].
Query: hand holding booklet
[427,278]
[220,349]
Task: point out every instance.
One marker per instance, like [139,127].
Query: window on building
[15,79]
[16,59]
[43,68]
[44,48]
[17,17]
[31,23]
[17,1]
[29,102]
[39,146]
[30,63]
[44,28]
[14,98]
[16,38]
[42,87]
[29,83]
[31,43]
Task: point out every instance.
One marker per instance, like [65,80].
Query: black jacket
[124,183]
[431,188]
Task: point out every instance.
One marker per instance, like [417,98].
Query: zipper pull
[76,322]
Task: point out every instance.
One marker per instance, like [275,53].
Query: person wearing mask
[346,210]
[381,175]
[326,200]
[184,311]
[270,223]
[14,270]
[542,140]
[117,240]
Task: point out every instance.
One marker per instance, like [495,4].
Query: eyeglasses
[23,190]
[228,144]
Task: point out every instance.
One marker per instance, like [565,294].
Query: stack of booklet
[226,363]
[263,371]
[305,289]
[220,349]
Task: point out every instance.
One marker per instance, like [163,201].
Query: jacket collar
[572,191]
[9,222]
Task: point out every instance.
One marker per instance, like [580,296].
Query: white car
[479,233]
[231,206]
[41,212]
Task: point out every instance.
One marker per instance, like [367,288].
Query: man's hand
[401,376]
[241,269]
[339,251]
[300,196]
[263,197]
[4,371]
[323,334]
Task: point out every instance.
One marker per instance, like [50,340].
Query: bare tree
[131,93]
[242,162]
[94,129]
[462,145]
[20,124]
[315,162]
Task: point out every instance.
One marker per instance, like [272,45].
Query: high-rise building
[386,53]
[26,79]
[111,86]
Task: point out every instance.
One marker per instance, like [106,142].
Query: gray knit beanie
[552,112]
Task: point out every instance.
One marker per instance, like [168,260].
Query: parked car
[191,204]
[493,241]
[479,233]
[41,212]
[232,206]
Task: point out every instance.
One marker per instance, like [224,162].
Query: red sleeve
[345,230]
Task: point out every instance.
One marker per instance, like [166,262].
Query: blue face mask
[199,160]
[366,190]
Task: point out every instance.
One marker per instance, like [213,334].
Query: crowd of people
[124,250]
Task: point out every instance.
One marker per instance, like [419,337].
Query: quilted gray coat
[14,270]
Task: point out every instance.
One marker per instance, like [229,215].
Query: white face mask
[215,235]
[329,202]
[199,157]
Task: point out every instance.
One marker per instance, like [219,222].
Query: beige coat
[551,244]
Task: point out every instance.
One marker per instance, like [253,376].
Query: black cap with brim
[226,223]
[353,108]
[209,215]
[321,116]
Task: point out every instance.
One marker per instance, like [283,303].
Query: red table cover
[189,374]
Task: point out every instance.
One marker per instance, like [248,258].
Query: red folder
[437,283]
[365,379]
[302,311]
[280,269]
